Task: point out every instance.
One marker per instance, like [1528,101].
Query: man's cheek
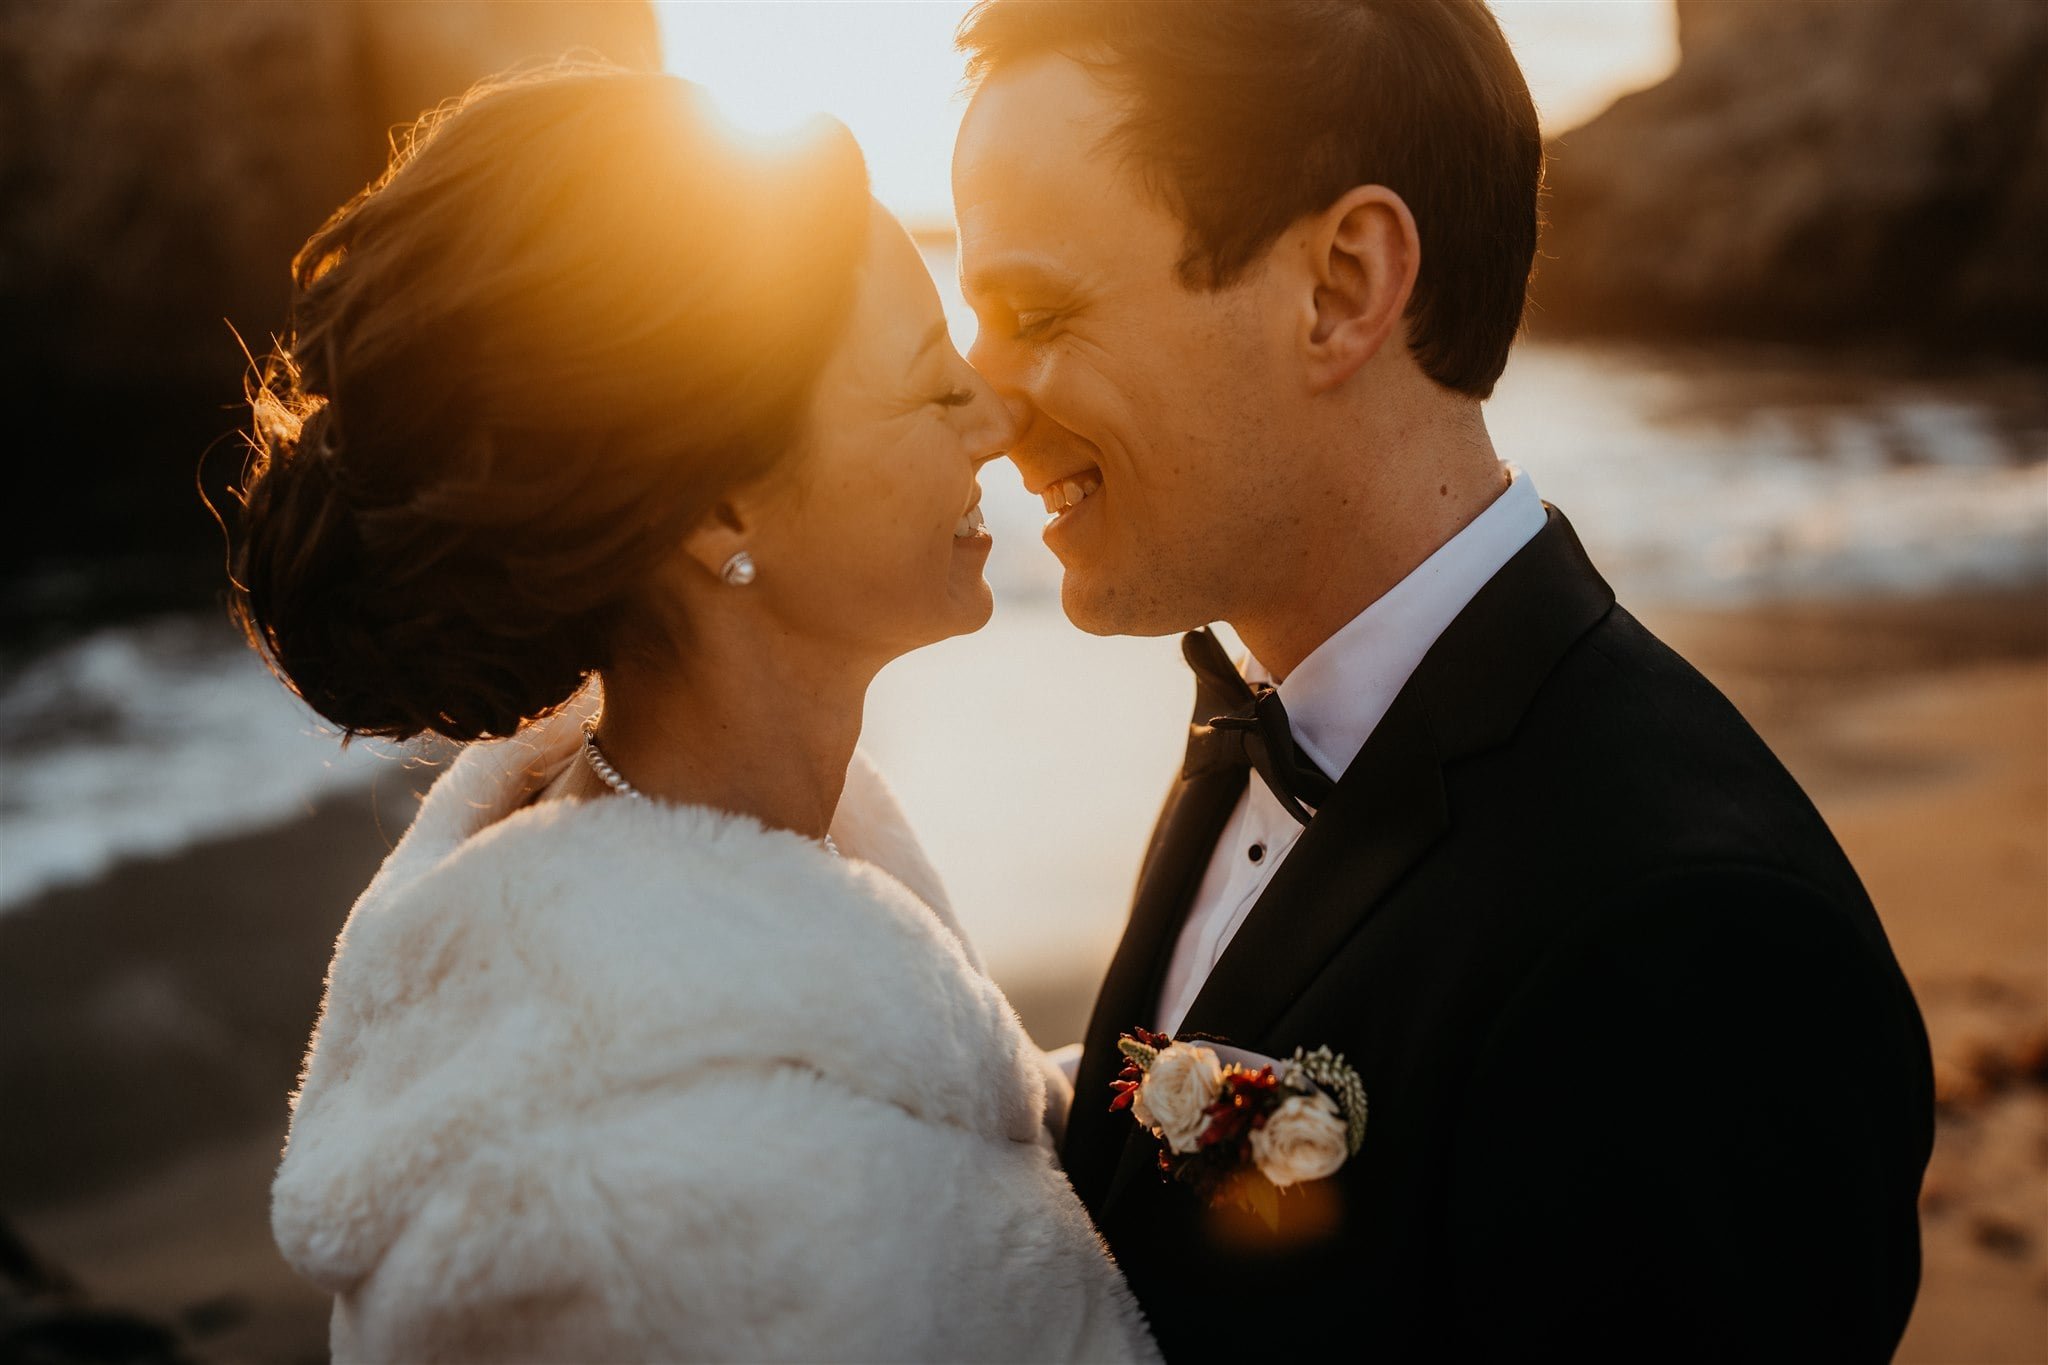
[1094,410]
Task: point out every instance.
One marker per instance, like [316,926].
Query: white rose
[1182,1082]
[1304,1139]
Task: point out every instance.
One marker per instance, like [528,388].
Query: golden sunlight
[889,72]
[748,114]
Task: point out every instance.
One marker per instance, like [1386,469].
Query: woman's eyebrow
[931,338]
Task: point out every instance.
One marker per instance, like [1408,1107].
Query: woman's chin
[968,595]
[965,608]
[973,605]
[969,600]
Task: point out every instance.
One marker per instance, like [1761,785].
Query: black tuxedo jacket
[1646,1083]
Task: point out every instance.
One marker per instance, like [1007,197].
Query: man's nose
[990,363]
[1001,428]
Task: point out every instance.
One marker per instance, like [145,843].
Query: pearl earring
[738,571]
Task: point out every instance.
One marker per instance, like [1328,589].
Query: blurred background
[1787,370]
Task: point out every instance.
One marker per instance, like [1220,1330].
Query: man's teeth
[969,524]
[1067,492]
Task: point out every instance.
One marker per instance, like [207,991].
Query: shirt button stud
[1257,853]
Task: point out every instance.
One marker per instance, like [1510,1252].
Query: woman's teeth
[970,523]
[1069,492]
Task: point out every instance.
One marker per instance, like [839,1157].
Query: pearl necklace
[610,776]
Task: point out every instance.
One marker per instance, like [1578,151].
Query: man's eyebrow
[1013,274]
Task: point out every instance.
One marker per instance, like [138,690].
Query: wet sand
[151,1022]
[151,1025]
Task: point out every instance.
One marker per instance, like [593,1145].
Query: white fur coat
[616,1081]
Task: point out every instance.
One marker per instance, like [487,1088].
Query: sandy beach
[151,1021]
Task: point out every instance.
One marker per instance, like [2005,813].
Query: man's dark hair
[1247,115]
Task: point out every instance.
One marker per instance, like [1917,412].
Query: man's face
[1149,412]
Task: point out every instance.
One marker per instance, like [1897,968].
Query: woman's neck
[760,731]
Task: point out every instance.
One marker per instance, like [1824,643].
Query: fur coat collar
[515,977]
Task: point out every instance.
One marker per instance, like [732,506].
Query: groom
[1645,1081]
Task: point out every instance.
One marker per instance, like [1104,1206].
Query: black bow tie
[1240,725]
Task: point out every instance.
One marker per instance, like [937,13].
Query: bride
[630,456]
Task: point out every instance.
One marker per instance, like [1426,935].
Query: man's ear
[1363,255]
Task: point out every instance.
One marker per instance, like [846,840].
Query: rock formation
[1816,170]
[160,160]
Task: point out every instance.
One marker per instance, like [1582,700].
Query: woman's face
[873,537]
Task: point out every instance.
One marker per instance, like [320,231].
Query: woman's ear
[722,533]
[1363,255]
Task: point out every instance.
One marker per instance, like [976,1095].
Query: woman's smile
[971,527]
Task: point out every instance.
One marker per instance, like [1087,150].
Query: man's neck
[1368,539]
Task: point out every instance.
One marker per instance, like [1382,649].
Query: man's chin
[1101,608]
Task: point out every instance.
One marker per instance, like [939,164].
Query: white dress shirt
[1334,700]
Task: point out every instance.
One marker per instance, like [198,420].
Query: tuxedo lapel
[1389,807]
[1386,812]
[1188,826]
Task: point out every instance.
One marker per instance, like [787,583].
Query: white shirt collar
[1342,690]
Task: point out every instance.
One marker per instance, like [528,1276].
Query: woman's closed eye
[954,398]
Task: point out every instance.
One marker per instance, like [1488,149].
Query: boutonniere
[1241,1129]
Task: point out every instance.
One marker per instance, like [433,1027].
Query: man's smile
[1061,495]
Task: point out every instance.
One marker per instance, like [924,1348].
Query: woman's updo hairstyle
[522,364]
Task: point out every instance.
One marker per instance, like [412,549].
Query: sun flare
[888,71]
[759,117]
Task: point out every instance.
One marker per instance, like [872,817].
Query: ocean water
[143,739]
[1033,757]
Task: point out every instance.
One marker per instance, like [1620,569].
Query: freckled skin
[1161,388]
[853,535]
[860,528]
[1265,450]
